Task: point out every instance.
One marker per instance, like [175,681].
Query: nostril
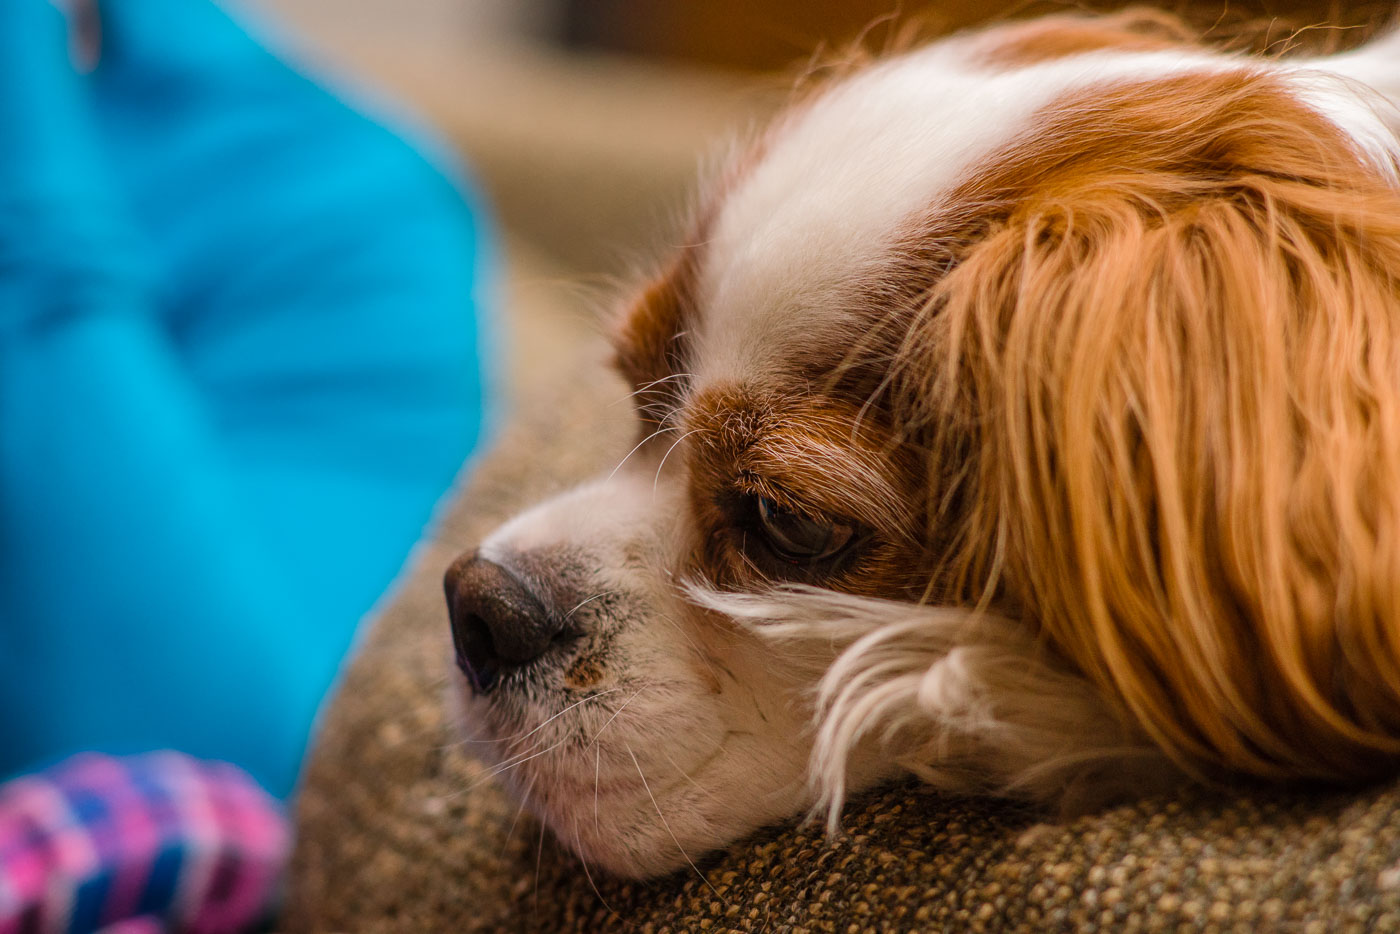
[476,652]
[497,621]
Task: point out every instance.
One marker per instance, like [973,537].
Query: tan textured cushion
[401,831]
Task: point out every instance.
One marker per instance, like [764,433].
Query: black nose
[497,622]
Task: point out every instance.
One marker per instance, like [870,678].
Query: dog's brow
[815,449]
[841,479]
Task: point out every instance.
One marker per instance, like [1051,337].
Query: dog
[1021,412]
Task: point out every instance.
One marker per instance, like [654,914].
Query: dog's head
[1023,412]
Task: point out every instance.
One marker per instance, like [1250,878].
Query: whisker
[651,386]
[506,766]
[581,605]
[621,707]
[539,857]
[709,793]
[578,849]
[526,755]
[597,779]
[518,738]
[667,825]
[518,811]
[637,448]
[656,481]
[521,758]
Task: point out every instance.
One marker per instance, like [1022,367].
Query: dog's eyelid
[756,486]
[784,543]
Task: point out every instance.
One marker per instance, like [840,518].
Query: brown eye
[795,537]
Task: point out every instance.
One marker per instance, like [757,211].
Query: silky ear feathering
[1022,412]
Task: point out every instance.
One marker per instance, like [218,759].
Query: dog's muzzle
[498,622]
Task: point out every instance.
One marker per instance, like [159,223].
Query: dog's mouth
[626,794]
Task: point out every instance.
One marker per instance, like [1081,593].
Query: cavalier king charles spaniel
[1021,412]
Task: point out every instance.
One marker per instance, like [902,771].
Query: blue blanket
[239,329]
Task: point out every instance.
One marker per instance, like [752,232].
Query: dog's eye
[796,537]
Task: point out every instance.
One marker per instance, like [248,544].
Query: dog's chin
[620,829]
[634,799]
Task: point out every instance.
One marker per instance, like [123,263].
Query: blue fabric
[239,327]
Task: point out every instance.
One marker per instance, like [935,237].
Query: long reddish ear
[1178,384]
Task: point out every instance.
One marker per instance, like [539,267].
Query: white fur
[825,204]
[1374,66]
[967,700]
[839,178]
[719,712]
[1359,93]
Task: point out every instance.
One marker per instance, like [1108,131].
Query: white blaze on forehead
[839,178]
[828,200]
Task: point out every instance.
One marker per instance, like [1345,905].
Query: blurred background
[586,121]
[584,140]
